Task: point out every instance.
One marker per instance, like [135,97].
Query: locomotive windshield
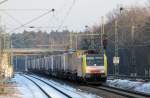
[94,60]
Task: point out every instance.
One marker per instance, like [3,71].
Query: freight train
[84,65]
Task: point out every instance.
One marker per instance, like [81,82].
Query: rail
[123,92]
[52,87]
[38,86]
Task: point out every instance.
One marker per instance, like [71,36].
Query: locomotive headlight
[102,71]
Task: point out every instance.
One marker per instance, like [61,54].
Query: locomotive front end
[94,68]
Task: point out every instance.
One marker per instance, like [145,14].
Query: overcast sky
[70,14]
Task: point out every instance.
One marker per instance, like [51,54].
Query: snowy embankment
[76,93]
[130,85]
[28,89]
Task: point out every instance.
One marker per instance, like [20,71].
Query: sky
[69,14]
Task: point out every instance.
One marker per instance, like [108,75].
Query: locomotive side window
[94,61]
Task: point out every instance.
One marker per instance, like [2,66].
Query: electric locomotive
[89,66]
[94,66]
[84,65]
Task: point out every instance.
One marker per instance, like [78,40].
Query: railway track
[43,90]
[122,92]
[57,87]
[117,91]
[38,86]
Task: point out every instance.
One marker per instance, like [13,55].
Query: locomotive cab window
[93,60]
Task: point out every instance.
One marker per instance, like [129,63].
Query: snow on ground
[144,88]
[30,90]
[52,92]
[130,85]
[27,88]
[76,93]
